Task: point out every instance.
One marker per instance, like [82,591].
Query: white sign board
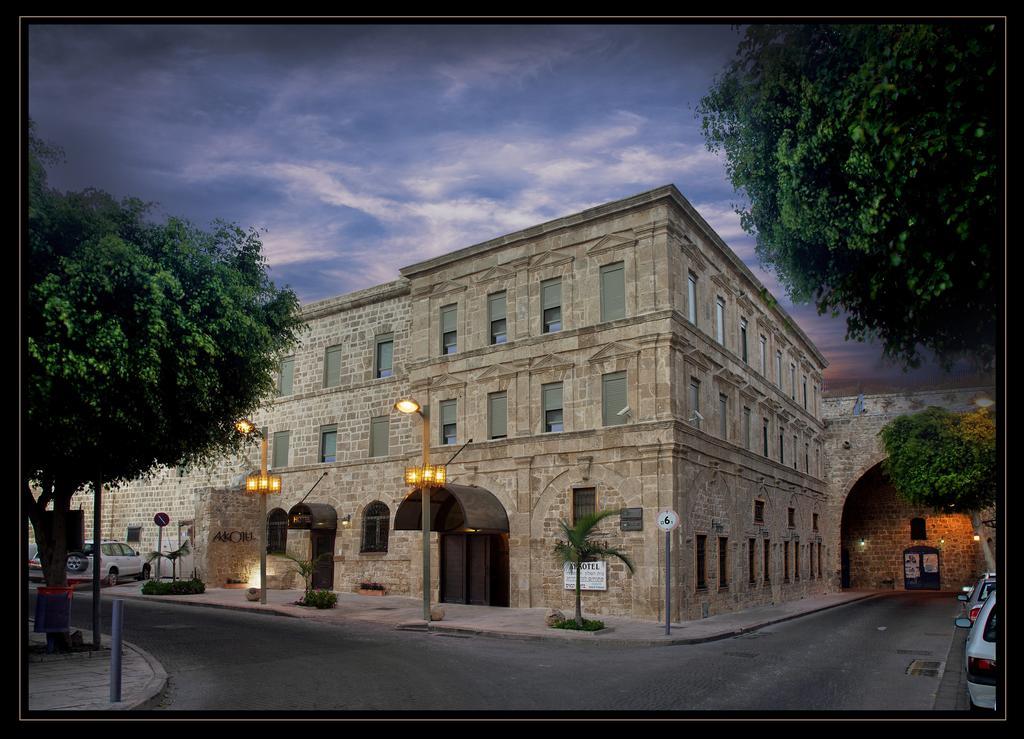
[593,576]
[931,563]
[667,520]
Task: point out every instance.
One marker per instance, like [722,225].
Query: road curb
[154,690]
[222,606]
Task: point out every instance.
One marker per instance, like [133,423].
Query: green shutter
[281,449]
[613,292]
[332,366]
[379,436]
[497,415]
[551,294]
[613,398]
[284,385]
[552,396]
[496,306]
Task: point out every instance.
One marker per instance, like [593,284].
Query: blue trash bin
[53,612]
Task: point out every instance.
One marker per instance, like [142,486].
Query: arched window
[917,529]
[376,521]
[277,531]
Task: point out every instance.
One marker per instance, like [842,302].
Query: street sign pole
[667,522]
[161,520]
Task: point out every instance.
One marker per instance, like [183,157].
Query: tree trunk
[579,599]
[51,540]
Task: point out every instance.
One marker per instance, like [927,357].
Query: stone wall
[227,544]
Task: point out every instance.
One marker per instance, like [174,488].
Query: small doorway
[323,543]
[475,569]
[845,567]
[921,568]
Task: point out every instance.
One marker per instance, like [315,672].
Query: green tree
[172,556]
[307,568]
[942,459]
[580,545]
[870,156]
[144,342]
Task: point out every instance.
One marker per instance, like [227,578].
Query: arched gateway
[474,542]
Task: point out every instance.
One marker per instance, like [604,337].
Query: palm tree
[579,546]
[173,556]
[306,568]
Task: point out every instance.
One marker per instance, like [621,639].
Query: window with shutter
[384,355]
[584,503]
[329,444]
[448,426]
[286,376]
[613,398]
[449,333]
[613,291]
[280,457]
[379,431]
[497,415]
[496,315]
[551,397]
[332,366]
[551,305]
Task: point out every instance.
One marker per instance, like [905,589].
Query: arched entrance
[473,528]
[889,543]
[321,520]
[277,531]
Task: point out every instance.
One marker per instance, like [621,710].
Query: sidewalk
[406,613]
[80,681]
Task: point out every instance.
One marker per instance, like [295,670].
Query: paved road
[852,658]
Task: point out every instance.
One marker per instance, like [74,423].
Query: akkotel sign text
[234,537]
[593,576]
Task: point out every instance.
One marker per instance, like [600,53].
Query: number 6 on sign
[667,520]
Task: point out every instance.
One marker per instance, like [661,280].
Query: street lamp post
[426,477]
[262,485]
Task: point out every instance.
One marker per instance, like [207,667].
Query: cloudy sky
[365,148]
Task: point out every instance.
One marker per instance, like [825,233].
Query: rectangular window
[810,559]
[496,315]
[814,522]
[918,529]
[497,415]
[792,381]
[332,366]
[785,561]
[814,404]
[285,377]
[791,518]
[796,559]
[551,304]
[758,511]
[767,559]
[723,416]
[584,503]
[280,458]
[701,543]
[723,562]
[134,535]
[805,391]
[613,399]
[746,428]
[765,434]
[448,427]
[807,458]
[764,350]
[379,433]
[384,355]
[819,560]
[778,369]
[691,298]
[551,399]
[449,332]
[782,449]
[613,291]
[328,443]
[720,321]
[794,451]
[817,466]
[743,340]
[751,564]
[695,402]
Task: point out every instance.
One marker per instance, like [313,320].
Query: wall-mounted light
[863,542]
[977,537]
[347,520]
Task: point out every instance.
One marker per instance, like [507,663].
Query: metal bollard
[115,650]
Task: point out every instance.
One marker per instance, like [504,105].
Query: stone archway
[875,530]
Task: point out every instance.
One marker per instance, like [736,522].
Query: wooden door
[323,543]
[453,568]
[478,570]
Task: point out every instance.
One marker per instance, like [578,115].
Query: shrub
[177,587]
[370,586]
[588,625]
[320,599]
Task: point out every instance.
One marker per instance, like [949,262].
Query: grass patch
[588,625]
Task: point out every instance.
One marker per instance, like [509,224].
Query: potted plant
[372,588]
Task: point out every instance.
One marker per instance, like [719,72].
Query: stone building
[619,358]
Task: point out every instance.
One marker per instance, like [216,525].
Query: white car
[980,654]
[118,561]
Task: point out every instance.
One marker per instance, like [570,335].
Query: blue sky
[365,148]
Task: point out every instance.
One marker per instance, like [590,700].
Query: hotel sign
[593,576]
[234,537]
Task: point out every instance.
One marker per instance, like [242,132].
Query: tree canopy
[942,459]
[144,341]
[870,156]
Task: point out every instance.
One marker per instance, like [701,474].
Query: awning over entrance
[313,516]
[454,508]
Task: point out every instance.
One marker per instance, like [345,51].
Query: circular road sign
[667,520]
[161,519]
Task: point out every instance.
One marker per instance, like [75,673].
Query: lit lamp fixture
[977,537]
[347,521]
[862,542]
[262,484]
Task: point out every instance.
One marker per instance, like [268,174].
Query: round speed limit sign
[667,520]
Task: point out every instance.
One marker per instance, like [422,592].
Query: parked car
[118,561]
[35,567]
[976,597]
[980,654]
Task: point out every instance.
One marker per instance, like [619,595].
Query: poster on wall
[593,576]
[931,563]
[911,566]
